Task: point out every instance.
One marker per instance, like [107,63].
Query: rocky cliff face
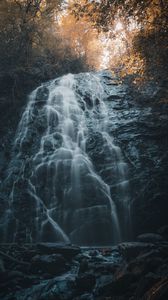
[139,124]
[120,143]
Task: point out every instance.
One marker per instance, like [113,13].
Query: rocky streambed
[49,271]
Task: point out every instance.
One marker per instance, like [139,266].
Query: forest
[57,37]
[84,149]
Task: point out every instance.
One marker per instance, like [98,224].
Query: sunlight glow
[115,43]
[113,49]
[105,59]
[118,26]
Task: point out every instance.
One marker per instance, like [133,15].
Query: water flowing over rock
[68,179]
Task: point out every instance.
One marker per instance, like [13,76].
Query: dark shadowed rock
[139,273]
[60,288]
[67,250]
[83,265]
[150,238]
[42,95]
[85,282]
[114,97]
[118,286]
[159,291]
[85,296]
[52,264]
[147,262]
[164,231]
[131,250]
[146,283]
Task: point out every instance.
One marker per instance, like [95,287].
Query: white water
[63,175]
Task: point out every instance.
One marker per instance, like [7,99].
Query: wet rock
[106,272]
[85,296]
[83,265]
[68,251]
[146,283]
[27,141]
[28,254]
[114,97]
[159,291]
[52,264]
[40,123]
[13,281]
[131,250]
[88,101]
[4,205]
[42,95]
[163,231]
[104,280]
[2,268]
[148,262]
[24,208]
[150,238]
[48,146]
[85,282]
[58,140]
[52,142]
[61,288]
[117,286]
[51,232]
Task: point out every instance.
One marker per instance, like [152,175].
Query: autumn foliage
[46,38]
[141,42]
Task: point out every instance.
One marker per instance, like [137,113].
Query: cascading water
[62,145]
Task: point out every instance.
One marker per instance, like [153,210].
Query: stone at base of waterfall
[67,250]
[62,288]
[126,271]
[118,286]
[133,249]
[150,238]
[51,264]
[86,296]
[163,231]
[85,283]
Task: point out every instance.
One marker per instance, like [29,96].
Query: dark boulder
[118,286]
[85,282]
[52,264]
[130,250]
[159,291]
[42,95]
[150,238]
[146,283]
[66,250]
[59,288]
[163,231]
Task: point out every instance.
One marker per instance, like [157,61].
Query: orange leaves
[82,37]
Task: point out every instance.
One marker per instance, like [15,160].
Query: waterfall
[58,191]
